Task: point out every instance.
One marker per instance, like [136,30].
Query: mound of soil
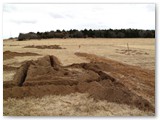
[138,80]
[44,46]
[47,76]
[131,52]
[10,55]
[10,45]
[9,68]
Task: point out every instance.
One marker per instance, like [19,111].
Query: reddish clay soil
[100,79]
[10,55]
[44,46]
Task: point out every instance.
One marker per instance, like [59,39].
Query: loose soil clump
[9,68]
[44,46]
[47,76]
[131,52]
[10,55]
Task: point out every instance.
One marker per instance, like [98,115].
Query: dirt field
[91,77]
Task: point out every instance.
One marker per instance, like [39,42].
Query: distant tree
[63,31]
[121,35]
[85,33]
[150,34]
[112,34]
[58,31]
[90,33]
[51,34]
[59,35]
[21,37]
[142,34]
[73,33]
[78,34]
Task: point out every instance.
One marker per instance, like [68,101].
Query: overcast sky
[23,18]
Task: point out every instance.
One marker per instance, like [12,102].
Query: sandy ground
[141,53]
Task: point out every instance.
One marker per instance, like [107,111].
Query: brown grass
[76,104]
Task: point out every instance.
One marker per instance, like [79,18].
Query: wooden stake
[128,48]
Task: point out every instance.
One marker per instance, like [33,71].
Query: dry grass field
[133,66]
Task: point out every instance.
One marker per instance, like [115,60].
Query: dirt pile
[138,80]
[10,45]
[131,52]
[44,46]
[47,76]
[9,68]
[10,55]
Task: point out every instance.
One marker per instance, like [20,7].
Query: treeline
[110,33]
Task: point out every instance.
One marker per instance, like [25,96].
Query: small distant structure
[79,46]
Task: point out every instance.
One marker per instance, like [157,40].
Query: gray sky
[23,18]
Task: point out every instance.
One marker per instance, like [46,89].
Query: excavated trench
[47,76]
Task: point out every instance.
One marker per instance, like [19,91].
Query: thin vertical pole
[128,48]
